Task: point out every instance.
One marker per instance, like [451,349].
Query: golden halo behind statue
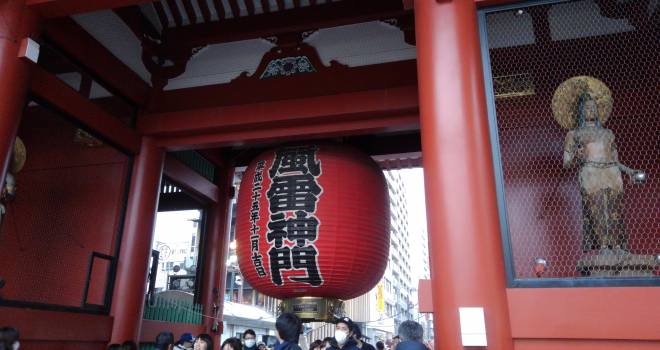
[19,156]
[566,97]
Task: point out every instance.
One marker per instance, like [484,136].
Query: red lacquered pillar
[135,250]
[215,257]
[16,24]
[467,267]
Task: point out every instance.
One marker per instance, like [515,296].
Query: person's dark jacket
[350,345]
[411,345]
[367,346]
[285,345]
[251,348]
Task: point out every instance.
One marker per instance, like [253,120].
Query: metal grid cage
[580,191]
[59,228]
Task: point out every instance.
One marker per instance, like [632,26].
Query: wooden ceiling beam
[63,8]
[162,16]
[265,4]
[220,9]
[280,5]
[235,10]
[174,10]
[54,91]
[190,11]
[133,17]
[371,104]
[78,44]
[283,22]
[250,7]
[206,12]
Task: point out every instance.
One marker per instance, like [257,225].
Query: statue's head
[587,110]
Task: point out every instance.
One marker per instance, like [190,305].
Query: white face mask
[16,345]
[341,337]
[250,342]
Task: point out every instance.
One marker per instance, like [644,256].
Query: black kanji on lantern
[305,258]
[292,197]
[254,218]
[296,159]
[280,259]
[293,192]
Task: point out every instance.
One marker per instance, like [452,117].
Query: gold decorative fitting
[515,85]
[19,156]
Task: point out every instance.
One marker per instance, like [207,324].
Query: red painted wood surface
[68,205]
[190,180]
[299,112]
[58,330]
[550,344]
[15,25]
[458,171]
[215,257]
[336,79]
[577,318]
[63,97]
[130,287]
[627,313]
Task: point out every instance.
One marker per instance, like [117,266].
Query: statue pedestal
[615,264]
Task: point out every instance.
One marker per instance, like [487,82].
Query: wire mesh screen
[577,109]
[62,215]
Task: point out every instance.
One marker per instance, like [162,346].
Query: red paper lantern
[313,221]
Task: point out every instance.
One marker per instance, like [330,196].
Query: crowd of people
[348,336]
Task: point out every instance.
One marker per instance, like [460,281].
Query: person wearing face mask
[344,334]
[249,340]
[9,339]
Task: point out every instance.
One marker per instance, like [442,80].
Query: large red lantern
[313,221]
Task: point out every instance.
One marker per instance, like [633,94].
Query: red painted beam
[351,125]
[374,103]
[584,313]
[190,180]
[69,101]
[80,45]
[248,90]
[63,8]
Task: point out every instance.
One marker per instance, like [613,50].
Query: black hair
[249,331]
[164,340]
[332,341]
[8,336]
[396,337]
[380,345]
[316,343]
[234,343]
[582,100]
[289,327]
[114,347]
